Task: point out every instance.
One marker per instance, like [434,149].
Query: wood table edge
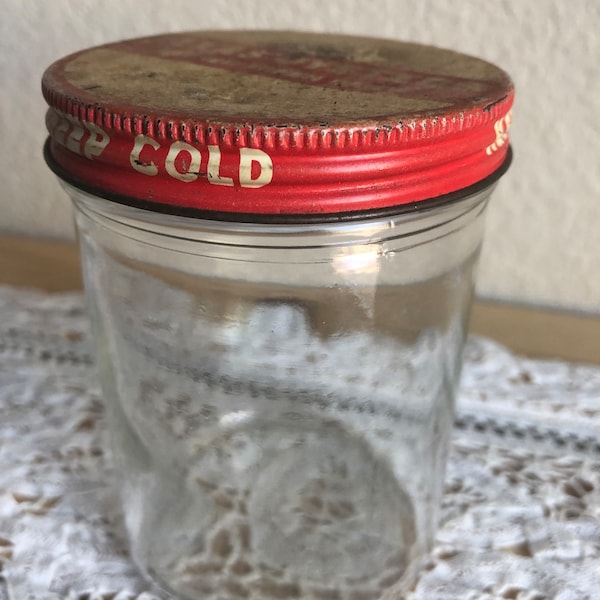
[54,266]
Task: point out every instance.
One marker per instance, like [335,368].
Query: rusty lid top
[275,123]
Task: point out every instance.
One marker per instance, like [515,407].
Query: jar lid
[275,123]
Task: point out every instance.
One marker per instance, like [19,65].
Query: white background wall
[543,235]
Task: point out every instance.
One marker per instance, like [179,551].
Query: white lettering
[96,142]
[134,158]
[192,170]
[53,120]
[248,156]
[73,141]
[214,164]
[501,127]
[62,127]
[255,166]
[69,131]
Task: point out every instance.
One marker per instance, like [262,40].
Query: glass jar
[278,334]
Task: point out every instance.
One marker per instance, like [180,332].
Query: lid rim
[394,130]
[279,218]
[158,119]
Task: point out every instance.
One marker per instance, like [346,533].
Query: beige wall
[543,242]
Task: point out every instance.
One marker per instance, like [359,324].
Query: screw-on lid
[275,123]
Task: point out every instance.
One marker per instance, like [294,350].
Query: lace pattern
[520,515]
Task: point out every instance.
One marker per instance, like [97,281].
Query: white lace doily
[520,517]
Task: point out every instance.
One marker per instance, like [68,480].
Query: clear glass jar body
[280,396]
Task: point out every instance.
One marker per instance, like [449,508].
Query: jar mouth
[280,218]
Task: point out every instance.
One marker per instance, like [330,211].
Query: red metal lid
[275,123]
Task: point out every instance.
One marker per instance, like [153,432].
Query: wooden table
[54,266]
